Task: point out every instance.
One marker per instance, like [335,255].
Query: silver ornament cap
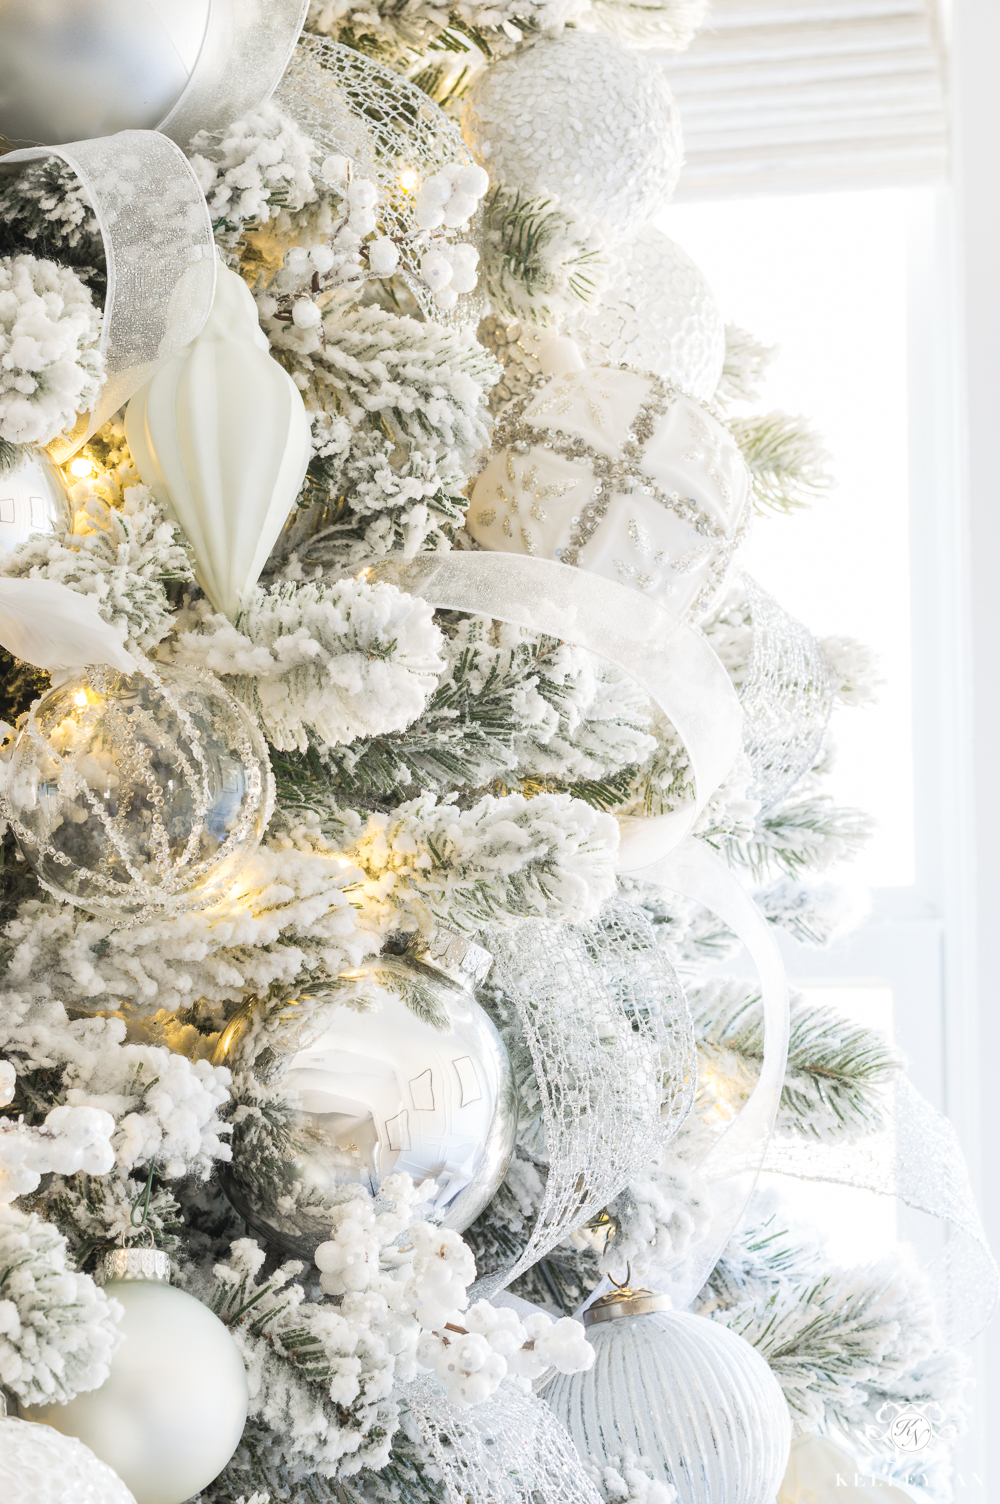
[133,1264]
[624,1301]
[458,957]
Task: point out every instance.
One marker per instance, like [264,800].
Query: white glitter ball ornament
[694,1399]
[658,315]
[40,1466]
[623,475]
[172,1410]
[582,120]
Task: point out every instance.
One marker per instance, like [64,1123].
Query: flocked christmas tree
[323,968]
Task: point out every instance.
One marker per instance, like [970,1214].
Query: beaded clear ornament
[395,136]
[136,795]
[606,1024]
[787,697]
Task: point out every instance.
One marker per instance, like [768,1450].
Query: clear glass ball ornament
[40,1466]
[172,1410]
[132,795]
[72,71]
[393,1067]
[33,499]
[691,1396]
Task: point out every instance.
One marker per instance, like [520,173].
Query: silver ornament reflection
[393,1067]
[33,499]
[71,70]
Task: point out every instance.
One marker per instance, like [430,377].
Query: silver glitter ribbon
[151,210]
[511,1449]
[919,1161]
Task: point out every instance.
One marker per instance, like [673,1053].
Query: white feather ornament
[221,437]
[55,628]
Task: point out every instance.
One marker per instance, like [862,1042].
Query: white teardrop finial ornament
[221,436]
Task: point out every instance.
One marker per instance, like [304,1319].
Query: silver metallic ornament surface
[33,498]
[71,70]
[393,1067]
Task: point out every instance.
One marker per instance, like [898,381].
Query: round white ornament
[581,120]
[693,1398]
[130,794]
[71,70]
[390,1068]
[621,474]
[172,1411]
[658,314]
[41,1466]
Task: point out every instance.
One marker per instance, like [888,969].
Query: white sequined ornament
[582,120]
[690,1396]
[623,475]
[658,315]
[40,1466]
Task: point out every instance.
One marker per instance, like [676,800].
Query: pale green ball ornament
[172,1410]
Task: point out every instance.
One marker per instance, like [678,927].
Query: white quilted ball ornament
[172,1410]
[221,437]
[694,1399]
[40,1466]
[658,315]
[580,119]
[619,473]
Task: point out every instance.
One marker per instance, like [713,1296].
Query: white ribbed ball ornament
[621,474]
[696,1400]
[172,1410]
[658,314]
[583,120]
[40,1466]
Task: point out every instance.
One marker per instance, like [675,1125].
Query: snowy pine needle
[786,459]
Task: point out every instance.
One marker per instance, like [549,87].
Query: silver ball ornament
[138,794]
[40,1466]
[71,70]
[171,1412]
[692,1397]
[33,499]
[393,1067]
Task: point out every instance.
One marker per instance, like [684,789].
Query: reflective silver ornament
[690,1396]
[71,70]
[33,499]
[389,1068]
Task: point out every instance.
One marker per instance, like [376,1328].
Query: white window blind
[785,96]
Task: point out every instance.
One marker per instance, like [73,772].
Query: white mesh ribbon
[509,1450]
[357,108]
[244,52]
[160,257]
[787,697]
[674,664]
[919,1160]
[607,1026]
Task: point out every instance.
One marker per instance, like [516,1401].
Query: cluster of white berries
[70,1139]
[473,1353]
[448,199]
[471,1350]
